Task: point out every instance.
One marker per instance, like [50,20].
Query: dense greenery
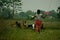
[7,12]
[7,8]
[9,31]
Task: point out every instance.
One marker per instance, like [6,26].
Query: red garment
[38,25]
[38,22]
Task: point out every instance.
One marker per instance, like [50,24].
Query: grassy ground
[8,31]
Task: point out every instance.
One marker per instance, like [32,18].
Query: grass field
[8,31]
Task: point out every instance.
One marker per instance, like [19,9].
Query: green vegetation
[8,31]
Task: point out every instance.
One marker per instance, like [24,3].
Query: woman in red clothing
[38,22]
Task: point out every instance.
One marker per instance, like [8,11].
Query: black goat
[18,24]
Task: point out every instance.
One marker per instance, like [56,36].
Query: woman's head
[38,11]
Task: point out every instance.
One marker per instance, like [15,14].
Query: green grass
[8,32]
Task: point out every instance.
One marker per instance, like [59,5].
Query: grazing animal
[31,26]
[34,26]
[18,24]
[24,24]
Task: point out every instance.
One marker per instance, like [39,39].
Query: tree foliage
[58,10]
[5,9]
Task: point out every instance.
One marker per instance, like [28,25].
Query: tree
[1,4]
[6,3]
[58,10]
[29,12]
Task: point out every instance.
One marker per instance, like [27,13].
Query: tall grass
[9,31]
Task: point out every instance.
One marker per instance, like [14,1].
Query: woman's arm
[44,16]
[33,17]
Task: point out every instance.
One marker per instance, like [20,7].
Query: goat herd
[25,25]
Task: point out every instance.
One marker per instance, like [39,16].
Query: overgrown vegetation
[9,31]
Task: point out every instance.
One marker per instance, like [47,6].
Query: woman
[38,22]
